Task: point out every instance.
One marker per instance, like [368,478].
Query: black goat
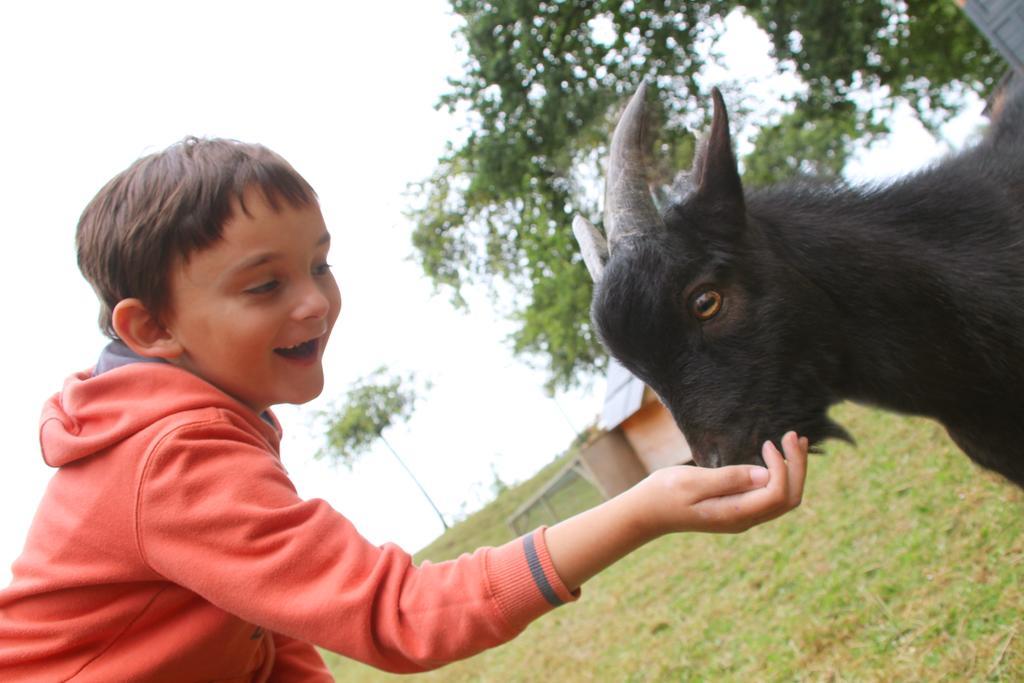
[751,313]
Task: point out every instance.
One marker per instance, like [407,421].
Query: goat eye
[706,304]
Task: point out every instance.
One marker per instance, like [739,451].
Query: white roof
[1002,22]
[623,397]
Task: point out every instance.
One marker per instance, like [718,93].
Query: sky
[346,93]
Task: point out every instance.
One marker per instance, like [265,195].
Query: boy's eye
[322,269]
[265,288]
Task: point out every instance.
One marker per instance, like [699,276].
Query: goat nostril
[707,456]
[714,458]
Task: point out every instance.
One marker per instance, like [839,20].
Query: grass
[904,563]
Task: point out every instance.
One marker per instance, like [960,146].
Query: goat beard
[830,429]
[817,431]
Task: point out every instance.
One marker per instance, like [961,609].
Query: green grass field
[904,563]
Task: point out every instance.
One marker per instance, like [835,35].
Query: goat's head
[696,303]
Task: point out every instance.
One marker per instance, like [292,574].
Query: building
[637,435]
[1002,22]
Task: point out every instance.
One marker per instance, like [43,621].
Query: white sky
[345,91]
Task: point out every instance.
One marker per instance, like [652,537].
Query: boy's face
[253,312]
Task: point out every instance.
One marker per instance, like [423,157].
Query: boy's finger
[764,500]
[774,499]
[725,481]
[779,483]
[782,493]
[796,461]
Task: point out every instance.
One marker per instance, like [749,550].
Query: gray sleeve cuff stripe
[537,571]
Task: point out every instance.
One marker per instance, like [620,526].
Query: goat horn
[628,206]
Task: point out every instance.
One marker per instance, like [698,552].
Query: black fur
[908,296]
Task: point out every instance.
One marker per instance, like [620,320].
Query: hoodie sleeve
[217,514]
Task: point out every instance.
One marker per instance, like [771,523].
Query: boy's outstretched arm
[725,500]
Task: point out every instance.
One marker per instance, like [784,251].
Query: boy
[170,544]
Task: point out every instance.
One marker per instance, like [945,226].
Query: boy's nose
[314,303]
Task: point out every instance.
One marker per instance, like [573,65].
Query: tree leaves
[372,404]
[356,423]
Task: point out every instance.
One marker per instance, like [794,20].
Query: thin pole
[566,417]
[416,481]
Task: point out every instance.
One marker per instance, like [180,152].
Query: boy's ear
[142,332]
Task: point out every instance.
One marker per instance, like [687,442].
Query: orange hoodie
[171,546]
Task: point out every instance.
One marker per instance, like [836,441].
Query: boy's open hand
[724,500]
[728,499]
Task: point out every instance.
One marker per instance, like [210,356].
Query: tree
[543,80]
[372,404]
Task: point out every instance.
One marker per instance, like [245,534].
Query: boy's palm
[728,499]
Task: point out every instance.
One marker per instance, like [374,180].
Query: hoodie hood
[103,406]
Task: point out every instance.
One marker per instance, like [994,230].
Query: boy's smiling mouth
[301,351]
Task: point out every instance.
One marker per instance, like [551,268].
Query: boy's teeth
[301,349]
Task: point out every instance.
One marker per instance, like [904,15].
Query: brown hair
[168,205]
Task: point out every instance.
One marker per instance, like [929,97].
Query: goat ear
[715,174]
[592,246]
